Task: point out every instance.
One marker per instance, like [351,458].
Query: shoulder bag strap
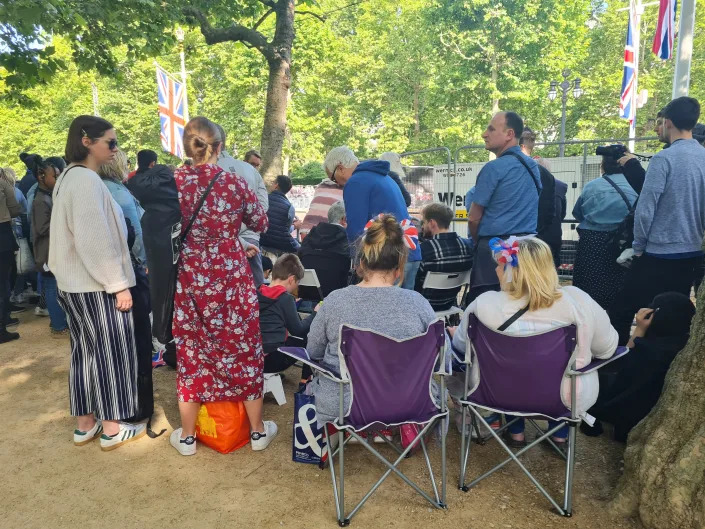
[521,160]
[518,314]
[199,206]
[630,207]
[67,170]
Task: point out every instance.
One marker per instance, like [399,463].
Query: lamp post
[566,86]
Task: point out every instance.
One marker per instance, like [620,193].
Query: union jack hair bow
[506,252]
[411,234]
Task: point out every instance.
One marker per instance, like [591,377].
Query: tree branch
[262,19]
[322,18]
[269,3]
[234,33]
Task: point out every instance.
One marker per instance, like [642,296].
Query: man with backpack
[505,201]
[669,221]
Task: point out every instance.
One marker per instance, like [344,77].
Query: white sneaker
[126,434]
[261,440]
[186,447]
[38,311]
[81,438]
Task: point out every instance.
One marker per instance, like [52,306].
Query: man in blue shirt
[505,200]
[368,190]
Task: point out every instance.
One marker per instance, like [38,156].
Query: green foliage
[309,174]
[378,76]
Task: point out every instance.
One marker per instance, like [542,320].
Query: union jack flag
[627,101]
[665,29]
[172,106]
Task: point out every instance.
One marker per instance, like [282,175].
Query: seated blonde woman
[528,278]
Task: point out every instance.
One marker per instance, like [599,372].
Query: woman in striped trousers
[89,256]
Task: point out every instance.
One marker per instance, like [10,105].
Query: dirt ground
[48,482]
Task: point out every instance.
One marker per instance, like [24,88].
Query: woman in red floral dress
[216,314]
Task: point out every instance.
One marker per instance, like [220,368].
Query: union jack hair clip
[411,234]
[506,252]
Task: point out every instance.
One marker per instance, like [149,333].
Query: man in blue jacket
[368,191]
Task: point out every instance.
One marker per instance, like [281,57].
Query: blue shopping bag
[308,440]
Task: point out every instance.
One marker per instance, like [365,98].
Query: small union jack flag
[665,29]
[627,101]
[172,106]
[411,234]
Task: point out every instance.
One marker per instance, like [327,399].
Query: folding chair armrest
[301,354]
[597,364]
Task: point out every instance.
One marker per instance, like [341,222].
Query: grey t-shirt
[393,311]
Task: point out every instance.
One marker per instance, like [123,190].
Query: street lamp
[565,86]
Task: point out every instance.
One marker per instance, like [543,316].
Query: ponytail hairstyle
[201,139]
[534,274]
[382,247]
[55,162]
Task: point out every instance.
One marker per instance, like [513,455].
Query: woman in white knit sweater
[89,256]
[533,284]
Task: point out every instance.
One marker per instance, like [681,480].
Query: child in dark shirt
[280,323]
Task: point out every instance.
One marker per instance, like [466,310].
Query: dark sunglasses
[332,176]
[112,144]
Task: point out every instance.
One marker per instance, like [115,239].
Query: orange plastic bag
[223,426]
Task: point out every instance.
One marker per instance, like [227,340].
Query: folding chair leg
[463,454]
[569,471]
[430,470]
[331,464]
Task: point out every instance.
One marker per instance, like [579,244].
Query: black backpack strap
[630,207]
[518,314]
[521,160]
[200,205]
[65,172]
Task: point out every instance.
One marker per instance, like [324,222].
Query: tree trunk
[664,470]
[274,129]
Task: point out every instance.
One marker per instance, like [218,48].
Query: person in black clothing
[154,187]
[552,201]
[396,171]
[281,214]
[633,171]
[279,321]
[30,177]
[631,386]
[327,251]
[267,266]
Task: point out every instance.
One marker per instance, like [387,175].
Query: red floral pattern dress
[216,314]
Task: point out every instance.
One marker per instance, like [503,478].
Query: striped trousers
[103,375]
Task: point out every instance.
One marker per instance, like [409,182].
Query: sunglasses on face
[112,144]
[332,176]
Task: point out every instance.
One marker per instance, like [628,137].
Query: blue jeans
[57,316]
[518,427]
[410,270]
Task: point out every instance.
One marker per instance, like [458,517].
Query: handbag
[308,444]
[623,237]
[166,310]
[223,426]
[24,259]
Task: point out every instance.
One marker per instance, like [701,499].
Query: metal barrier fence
[450,182]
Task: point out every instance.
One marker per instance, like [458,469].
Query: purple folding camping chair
[522,376]
[389,383]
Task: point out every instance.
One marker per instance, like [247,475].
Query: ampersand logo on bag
[304,425]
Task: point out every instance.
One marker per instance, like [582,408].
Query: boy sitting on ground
[280,323]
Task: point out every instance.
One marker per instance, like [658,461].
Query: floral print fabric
[216,313]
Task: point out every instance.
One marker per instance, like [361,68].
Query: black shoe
[591,431]
[17,308]
[10,322]
[8,336]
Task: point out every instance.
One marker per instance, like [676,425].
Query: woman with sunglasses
[90,259]
[40,215]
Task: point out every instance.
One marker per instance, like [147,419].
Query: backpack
[623,237]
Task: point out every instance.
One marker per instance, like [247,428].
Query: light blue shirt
[509,195]
[131,210]
[600,207]
[670,215]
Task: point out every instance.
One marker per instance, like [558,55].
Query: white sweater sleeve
[95,238]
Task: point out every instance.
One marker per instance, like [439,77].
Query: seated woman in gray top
[375,304]
[600,209]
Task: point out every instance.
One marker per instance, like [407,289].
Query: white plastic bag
[24,258]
